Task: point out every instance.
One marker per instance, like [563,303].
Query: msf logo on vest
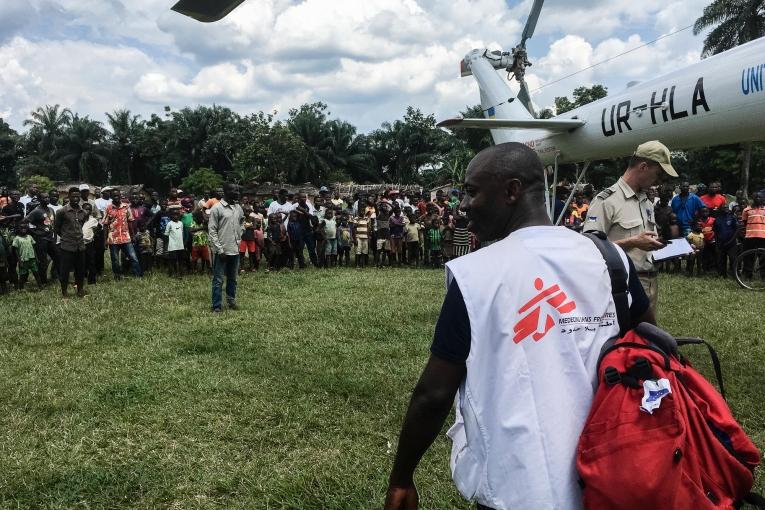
[551,300]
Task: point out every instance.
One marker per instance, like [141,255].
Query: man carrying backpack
[517,341]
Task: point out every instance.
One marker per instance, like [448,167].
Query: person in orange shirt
[707,228]
[579,206]
[217,196]
[754,221]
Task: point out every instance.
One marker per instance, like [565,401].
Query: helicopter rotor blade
[206,11]
[531,23]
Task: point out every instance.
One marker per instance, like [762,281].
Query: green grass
[138,397]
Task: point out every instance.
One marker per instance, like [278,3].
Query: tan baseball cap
[656,151]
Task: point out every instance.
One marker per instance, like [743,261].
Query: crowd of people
[384,229]
[151,233]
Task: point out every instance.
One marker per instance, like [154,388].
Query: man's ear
[513,189]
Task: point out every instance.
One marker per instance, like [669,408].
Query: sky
[368,60]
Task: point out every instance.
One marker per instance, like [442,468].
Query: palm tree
[736,22]
[316,136]
[51,123]
[126,130]
[189,131]
[346,151]
[82,147]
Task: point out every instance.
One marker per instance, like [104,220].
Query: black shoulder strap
[619,278]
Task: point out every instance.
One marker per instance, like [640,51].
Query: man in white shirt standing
[104,200]
[29,197]
[281,206]
[524,384]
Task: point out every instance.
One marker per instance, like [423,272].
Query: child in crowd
[396,223]
[361,227]
[248,243]
[330,238]
[175,247]
[145,246]
[89,230]
[461,236]
[318,235]
[199,240]
[277,236]
[434,237]
[160,221]
[259,240]
[696,238]
[187,217]
[295,235]
[447,239]
[726,228]
[4,250]
[344,241]
[382,231]
[707,228]
[412,238]
[24,247]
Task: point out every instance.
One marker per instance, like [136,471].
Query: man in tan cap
[625,213]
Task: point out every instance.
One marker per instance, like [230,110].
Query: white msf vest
[540,308]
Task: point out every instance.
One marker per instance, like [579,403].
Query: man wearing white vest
[517,341]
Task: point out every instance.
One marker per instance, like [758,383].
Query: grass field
[137,397]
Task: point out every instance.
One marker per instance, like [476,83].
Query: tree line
[202,146]
[163,150]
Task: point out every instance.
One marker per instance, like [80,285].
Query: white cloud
[368,60]
[88,78]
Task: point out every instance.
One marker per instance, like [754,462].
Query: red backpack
[659,436]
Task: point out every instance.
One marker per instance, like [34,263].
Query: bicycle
[750,269]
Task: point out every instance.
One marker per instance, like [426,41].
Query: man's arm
[212,232]
[597,219]
[58,222]
[32,217]
[431,402]
[640,308]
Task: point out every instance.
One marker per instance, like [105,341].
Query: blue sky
[368,60]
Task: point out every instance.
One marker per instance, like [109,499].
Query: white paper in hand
[675,248]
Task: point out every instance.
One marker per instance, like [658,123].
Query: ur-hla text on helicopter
[719,100]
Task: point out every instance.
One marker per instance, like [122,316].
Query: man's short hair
[637,160]
[520,162]
[74,189]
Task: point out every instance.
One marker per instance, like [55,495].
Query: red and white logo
[551,298]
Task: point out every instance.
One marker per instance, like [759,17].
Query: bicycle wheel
[750,269]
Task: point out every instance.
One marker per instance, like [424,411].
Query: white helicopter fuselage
[717,101]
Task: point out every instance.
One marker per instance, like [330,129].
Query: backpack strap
[712,354]
[619,278]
